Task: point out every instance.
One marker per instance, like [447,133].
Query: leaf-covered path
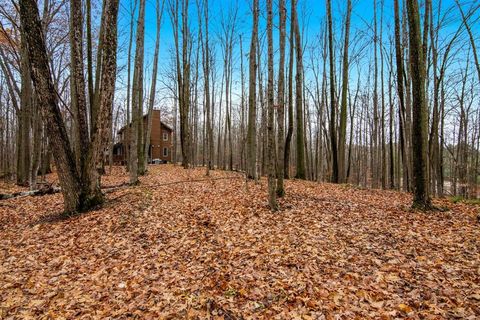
[212,250]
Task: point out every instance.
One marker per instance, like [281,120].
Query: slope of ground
[211,249]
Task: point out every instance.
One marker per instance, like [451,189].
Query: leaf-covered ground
[212,250]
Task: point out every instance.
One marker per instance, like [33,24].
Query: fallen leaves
[212,249]
[405,308]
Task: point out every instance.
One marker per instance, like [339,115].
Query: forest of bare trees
[381,98]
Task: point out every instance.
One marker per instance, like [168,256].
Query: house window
[165,152]
[165,136]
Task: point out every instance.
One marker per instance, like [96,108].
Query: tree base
[280,193]
[91,201]
[135,183]
[427,206]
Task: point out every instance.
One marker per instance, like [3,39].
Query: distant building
[160,145]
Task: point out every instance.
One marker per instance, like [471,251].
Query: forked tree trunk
[103,123]
[42,79]
[80,188]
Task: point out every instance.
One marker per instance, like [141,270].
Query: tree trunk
[281,102]
[300,134]
[42,80]
[136,146]
[252,97]
[343,108]
[24,118]
[333,125]
[151,100]
[270,124]
[103,122]
[401,97]
[421,199]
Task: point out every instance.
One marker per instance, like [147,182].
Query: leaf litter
[209,248]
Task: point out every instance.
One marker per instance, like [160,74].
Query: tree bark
[343,107]
[421,198]
[281,101]
[300,134]
[401,97]
[136,146]
[41,76]
[151,100]
[252,97]
[333,122]
[272,200]
[288,138]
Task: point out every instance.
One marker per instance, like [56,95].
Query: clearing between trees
[212,249]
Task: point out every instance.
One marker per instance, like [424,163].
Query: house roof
[144,117]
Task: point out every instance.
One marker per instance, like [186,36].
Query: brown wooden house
[160,145]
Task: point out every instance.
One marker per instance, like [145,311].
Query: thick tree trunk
[421,199]
[300,134]
[42,79]
[79,103]
[136,146]
[272,200]
[24,118]
[333,105]
[103,123]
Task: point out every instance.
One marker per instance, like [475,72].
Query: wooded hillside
[182,246]
[320,160]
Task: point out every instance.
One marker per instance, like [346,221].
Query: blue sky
[312,17]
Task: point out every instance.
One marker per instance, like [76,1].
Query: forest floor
[211,249]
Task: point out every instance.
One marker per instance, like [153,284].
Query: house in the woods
[160,145]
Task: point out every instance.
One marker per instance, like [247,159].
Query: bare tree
[281,100]
[182,74]
[333,125]
[270,124]
[153,86]
[79,193]
[136,147]
[343,108]
[252,97]
[300,134]
[421,198]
